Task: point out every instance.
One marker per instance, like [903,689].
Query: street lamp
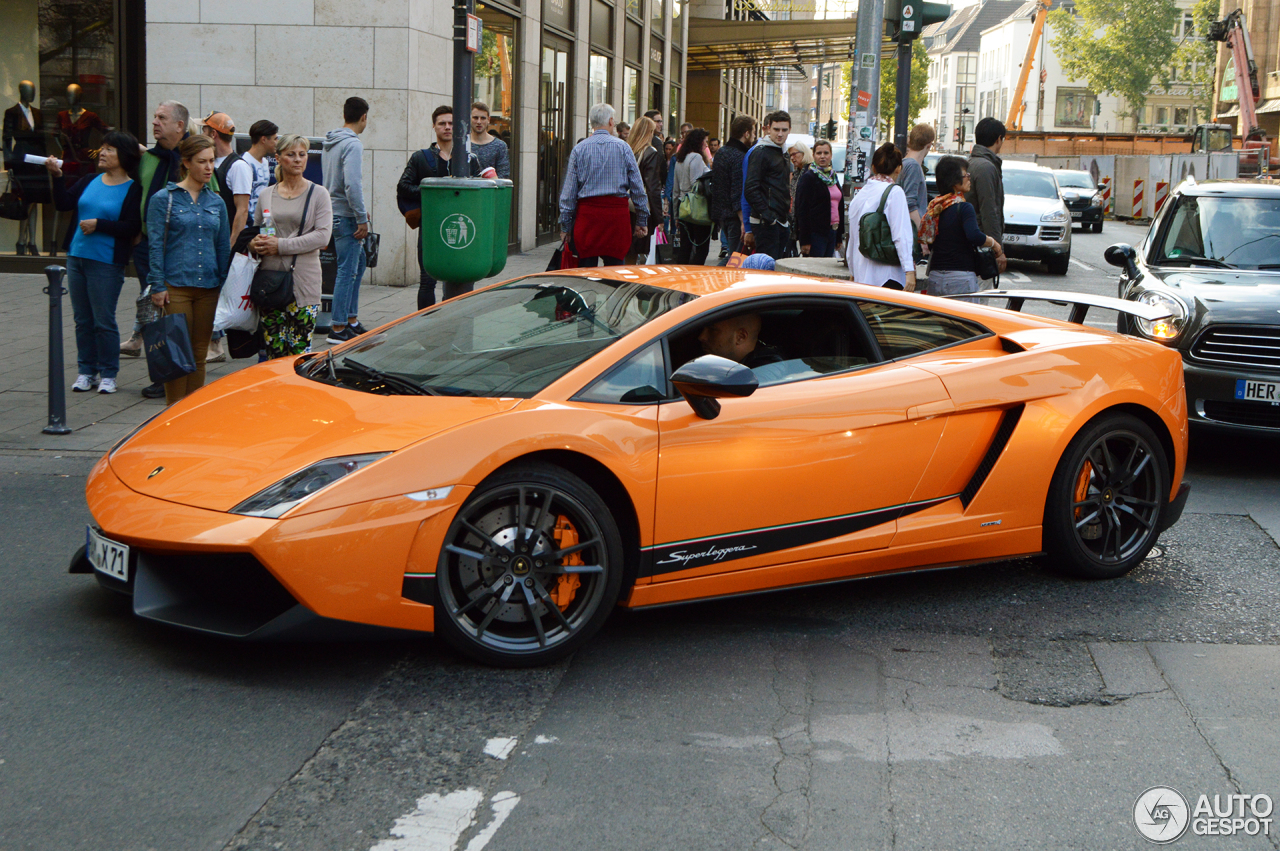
[963,112]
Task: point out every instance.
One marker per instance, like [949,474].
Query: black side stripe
[717,549]
[998,443]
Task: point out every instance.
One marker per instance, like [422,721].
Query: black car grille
[1020,230]
[1257,414]
[1250,346]
[1080,204]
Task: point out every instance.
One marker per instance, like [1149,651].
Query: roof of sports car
[696,280]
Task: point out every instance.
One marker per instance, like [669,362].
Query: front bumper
[1211,399]
[251,577]
[1036,242]
[1085,215]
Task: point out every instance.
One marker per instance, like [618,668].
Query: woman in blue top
[190,253]
[950,226]
[107,218]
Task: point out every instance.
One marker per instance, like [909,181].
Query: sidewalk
[98,421]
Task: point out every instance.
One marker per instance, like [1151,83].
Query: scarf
[939,205]
[826,175]
[883,178]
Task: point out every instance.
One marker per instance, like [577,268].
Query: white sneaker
[108,385]
[84,383]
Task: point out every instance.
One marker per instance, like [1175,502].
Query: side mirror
[705,379]
[1119,255]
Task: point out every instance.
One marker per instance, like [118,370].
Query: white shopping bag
[235,311]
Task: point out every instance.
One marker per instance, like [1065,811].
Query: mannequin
[22,135]
[79,130]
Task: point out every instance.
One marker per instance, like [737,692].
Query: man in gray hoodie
[341,161]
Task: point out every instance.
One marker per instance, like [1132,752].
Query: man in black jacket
[768,187]
[430,162]
[726,183]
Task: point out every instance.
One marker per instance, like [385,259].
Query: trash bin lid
[465,182]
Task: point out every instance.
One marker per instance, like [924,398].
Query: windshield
[511,340]
[1216,231]
[930,161]
[1075,180]
[1033,184]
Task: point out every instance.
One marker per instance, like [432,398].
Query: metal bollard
[57,392]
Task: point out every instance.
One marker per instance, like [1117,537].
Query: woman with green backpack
[879,249]
[692,199]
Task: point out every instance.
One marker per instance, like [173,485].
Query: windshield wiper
[400,382]
[1190,259]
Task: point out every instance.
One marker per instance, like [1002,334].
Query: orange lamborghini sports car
[508,466]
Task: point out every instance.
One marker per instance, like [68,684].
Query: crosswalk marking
[1082,265]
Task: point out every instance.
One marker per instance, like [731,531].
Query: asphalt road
[987,707]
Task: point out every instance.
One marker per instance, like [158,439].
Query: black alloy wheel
[530,569]
[1106,499]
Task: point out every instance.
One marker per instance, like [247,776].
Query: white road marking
[503,803]
[499,748]
[538,740]
[436,824]
[1016,277]
[1082,265]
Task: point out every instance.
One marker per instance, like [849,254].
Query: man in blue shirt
[601,174]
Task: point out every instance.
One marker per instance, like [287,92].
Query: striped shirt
[601,164]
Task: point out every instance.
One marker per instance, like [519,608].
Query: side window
[903,331]
[637,380]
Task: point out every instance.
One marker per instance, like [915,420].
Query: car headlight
[1169,328]
[1058,215]
[294,488]
[1096,200]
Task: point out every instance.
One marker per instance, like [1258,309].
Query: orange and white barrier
[1106,196]
[1137,198]
[1162,194]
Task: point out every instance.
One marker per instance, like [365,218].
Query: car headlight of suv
[1167,329]
[294,488]
[1058,215]
[1096,200]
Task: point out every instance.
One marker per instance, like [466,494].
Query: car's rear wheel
[1106,499]
[530,569]
[1058,265]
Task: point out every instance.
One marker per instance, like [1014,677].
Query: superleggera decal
[680,555]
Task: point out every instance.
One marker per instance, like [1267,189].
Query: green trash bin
[465,225]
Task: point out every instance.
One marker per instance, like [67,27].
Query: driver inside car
[738,339]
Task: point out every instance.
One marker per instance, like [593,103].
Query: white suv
[1037,223]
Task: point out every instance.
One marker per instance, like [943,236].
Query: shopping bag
[735,260]
[235,311]
[168,346]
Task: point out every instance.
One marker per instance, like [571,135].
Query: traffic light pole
[866,81]
[902,96]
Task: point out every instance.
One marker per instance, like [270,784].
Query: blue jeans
[822,243]
[346,286]
[95,288]
[771,239]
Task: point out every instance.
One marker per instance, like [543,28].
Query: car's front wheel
[530,569]
[1058,265]
[1106,499]
[1097,227]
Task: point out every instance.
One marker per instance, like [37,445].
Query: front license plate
[1258,391]
[107,556]
[1078,214]
[1012,238]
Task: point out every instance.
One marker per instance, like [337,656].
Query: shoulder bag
[272,289]
[875,236]
[986,264]
[167,340]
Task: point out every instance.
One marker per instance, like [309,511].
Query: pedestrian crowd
[181,208]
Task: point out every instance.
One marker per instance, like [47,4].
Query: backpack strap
[884,199]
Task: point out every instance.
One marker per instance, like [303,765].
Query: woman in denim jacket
[189,261]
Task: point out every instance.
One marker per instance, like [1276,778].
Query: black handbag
[167,343]
[272,289]
[372,241]
[985,263]
[12,206]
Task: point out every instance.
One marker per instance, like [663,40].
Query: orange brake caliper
[1092,531]
[566,536]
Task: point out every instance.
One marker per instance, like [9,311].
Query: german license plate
[1013,237]
[1258,391]
[107,556]
[1077,214]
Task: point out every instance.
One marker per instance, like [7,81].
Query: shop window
[558,13]
[633,41]
[599,83]
[601,25]
[631,90]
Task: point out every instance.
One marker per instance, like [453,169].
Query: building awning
[1269,105]
[1233,112]
[716,45]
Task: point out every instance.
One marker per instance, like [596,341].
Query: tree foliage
[889,84]
[1117,46]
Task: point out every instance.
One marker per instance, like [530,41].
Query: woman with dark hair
[108,216]
[190,251]
[950,225]
[878,197]
[819,205]
[693,160]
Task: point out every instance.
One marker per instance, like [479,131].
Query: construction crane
[1016,106]
[1233,32]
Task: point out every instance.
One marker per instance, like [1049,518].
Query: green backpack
[875,237]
